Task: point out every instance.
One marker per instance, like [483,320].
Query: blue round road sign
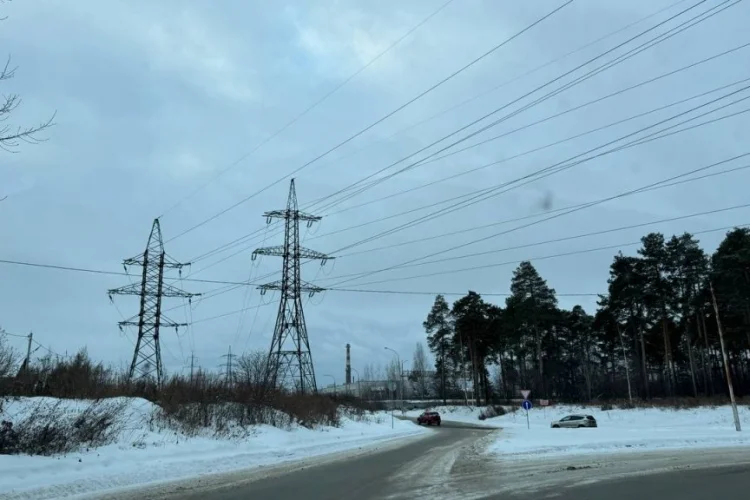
[526,405]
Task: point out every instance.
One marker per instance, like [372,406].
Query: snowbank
[144,451]
[618,431]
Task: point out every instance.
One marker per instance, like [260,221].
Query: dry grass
[48,430]
[204,403]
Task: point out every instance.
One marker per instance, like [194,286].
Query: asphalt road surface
[449,464]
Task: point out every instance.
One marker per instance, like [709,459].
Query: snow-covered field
[618,430]
[144,453]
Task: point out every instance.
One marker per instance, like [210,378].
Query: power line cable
[631,53]
[310,107]
[538,122]
[533,259]
[532,216]
[405,292]
[484,194]
[519,155]
[410,292]
[497,234]
[516,156]
[395,292]
[374,124]
[505,83]
[493,191]
[577,236]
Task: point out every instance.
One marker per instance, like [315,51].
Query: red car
[429,418]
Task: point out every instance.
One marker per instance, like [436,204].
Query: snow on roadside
[143,453]
[464,414]
[618,431]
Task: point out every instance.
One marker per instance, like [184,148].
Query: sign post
[526,405]
[544,403]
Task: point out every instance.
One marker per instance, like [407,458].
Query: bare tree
[418,376]
[393,375]
[8,357]
[369,372]
[12,135]
[253,375]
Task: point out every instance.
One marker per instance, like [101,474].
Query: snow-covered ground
[618,430]
[144,453]
[466,414]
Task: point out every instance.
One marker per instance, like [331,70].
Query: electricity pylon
[146,364]
[289,359]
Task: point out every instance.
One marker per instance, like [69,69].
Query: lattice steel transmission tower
[230,377]
[150,319]
[289,359]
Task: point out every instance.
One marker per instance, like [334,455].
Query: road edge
[239,477]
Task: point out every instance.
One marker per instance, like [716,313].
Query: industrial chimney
[348,366]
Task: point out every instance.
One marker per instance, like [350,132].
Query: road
[449,464]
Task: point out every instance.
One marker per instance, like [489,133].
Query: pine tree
[536,303]
[471,330]
[439,340]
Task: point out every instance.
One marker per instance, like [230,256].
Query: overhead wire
[532,259]
[531,216]
[377,122]
[483,239]
[516,156]
[576,236]
[673,31]
[493,191]
[507,82]
[619,59]
[312,106]
[544,120]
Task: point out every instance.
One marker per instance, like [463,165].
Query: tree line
[654,334]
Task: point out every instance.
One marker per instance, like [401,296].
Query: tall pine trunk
[691,358]
[644,369]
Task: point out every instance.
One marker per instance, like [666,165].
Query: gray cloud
[155,99]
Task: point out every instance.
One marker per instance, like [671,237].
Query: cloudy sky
[161,106]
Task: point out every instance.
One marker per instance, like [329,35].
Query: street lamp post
[334,383]
[400,377]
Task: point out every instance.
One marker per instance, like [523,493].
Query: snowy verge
[618,431]
[143,452]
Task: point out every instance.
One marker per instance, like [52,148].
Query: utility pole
[289,358]
[192,363]
[726,360]
[26,360]
[146,364]
[229,371]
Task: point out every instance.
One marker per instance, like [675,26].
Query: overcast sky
[155,98]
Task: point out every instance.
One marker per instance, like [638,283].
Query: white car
[575,421]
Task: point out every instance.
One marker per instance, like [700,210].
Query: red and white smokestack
[348,366]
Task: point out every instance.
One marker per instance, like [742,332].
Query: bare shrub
[192,405]
[49,430]
[491,412]
[8,357]
[309,410]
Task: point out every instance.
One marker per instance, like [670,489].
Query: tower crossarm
[305,287]
[133,322]
[291,214]
[278,251]
[137,289]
